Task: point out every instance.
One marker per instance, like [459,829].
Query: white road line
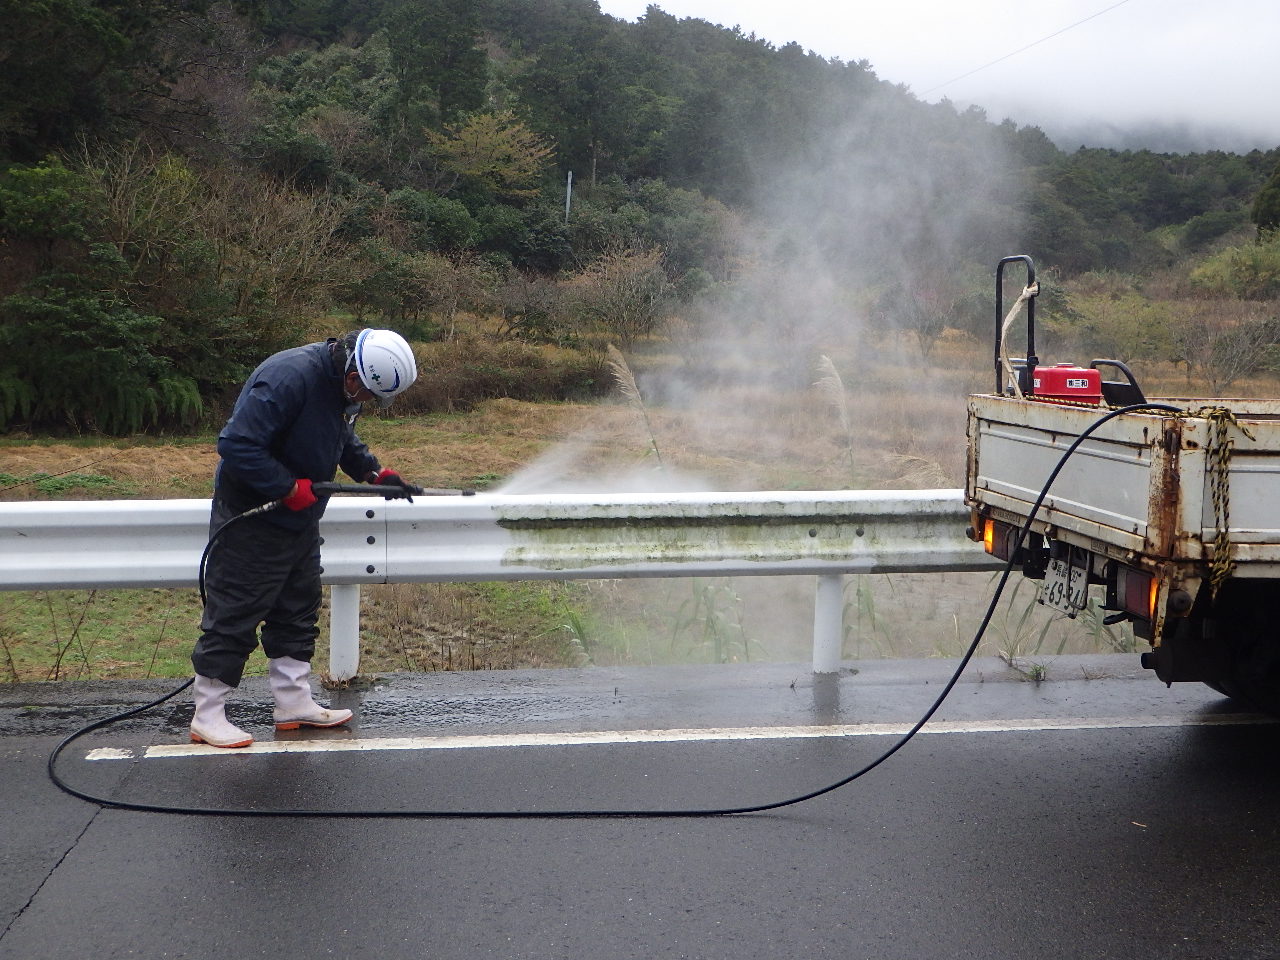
[176,750]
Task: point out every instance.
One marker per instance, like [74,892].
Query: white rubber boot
[209,724]
[294,706]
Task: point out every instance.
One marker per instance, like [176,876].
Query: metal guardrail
[113,544]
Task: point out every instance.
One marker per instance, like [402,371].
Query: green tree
[77,68]
[1266,207]
[59,57]
[1207,227]
[494,153]
[298,157]
[436,57]
[319,21]
[574,92]
[78,349]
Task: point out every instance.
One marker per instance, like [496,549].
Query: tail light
[1136,592]
[998,538]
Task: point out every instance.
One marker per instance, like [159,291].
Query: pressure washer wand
[390,491]
[405,491]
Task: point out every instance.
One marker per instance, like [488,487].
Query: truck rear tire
[1245,621]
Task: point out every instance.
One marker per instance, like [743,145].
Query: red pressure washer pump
[1066,381]
[1063,383]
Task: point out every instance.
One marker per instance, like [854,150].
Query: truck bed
[1137,489]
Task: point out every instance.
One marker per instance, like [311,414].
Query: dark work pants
[258,573]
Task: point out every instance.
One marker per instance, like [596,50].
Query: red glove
[300,497]
[389,478]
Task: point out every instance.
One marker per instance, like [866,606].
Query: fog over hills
[1070,134]
[1164,75]
[1157,137]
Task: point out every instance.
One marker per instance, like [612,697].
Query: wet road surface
[1096,814]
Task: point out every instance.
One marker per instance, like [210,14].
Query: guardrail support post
[828,623]
[344,630]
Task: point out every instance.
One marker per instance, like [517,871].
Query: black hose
[612,814]
[401,491]
[213,539]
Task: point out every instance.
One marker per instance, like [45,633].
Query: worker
[292,425]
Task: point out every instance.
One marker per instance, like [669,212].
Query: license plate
[1066,587]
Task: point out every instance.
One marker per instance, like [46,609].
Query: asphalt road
[1093,815]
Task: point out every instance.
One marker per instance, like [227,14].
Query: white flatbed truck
[1173,516]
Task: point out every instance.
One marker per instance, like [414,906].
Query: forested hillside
[187,185]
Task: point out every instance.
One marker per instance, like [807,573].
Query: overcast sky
[1204,72]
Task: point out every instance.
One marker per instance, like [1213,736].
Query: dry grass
[141,469]
[740,436]
[468,626]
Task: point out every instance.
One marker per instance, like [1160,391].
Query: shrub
[1119,324]
[455,375]
[419,294]
[1210,226]
[1223,342]
[435,222]
[297,157]
[531,308]
[106,376]
[78,350]
[1247,272]
[624,294]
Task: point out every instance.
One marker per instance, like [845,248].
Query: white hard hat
[385,363]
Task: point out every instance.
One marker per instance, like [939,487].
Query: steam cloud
[898,201]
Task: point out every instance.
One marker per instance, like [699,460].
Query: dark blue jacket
[291,420]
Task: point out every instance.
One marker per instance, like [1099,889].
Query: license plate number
[1066,587]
